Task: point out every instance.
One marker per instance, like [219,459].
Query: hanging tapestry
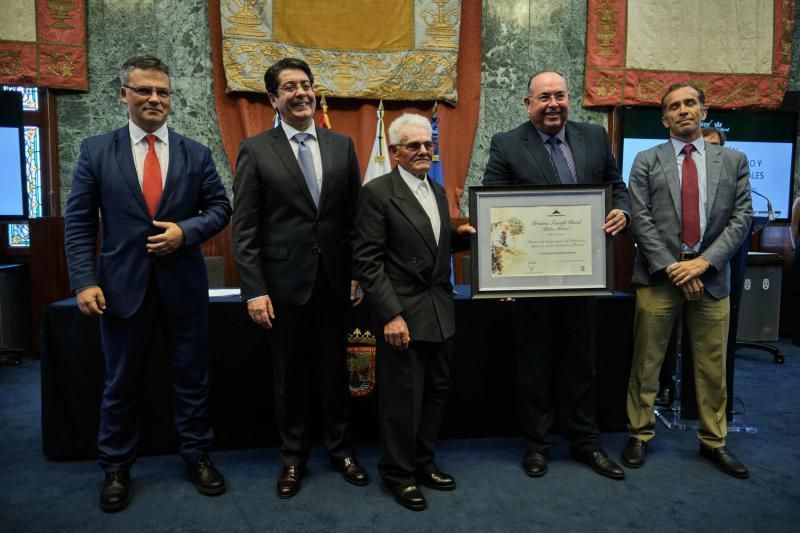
[738,51]
[372,49]
[43,44]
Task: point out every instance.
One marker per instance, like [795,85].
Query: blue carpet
[674,491]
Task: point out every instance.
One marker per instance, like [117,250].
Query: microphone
[770,211]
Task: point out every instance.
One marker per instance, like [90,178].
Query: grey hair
[407,119]
[142,63]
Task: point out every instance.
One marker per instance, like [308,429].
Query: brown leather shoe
[351,471]
[634,454]
[289,482]
[725,461]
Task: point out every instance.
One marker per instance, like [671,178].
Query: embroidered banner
[738,51]
[373,49]
[43,44]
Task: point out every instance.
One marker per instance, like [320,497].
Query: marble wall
[174,30]
[519,37]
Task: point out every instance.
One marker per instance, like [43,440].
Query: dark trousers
[124,342]
[412,395]
[555,367]
[308,343]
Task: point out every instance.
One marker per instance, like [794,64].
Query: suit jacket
[397,261]
[105,180]
[656,201]
[279,236]
[519,157]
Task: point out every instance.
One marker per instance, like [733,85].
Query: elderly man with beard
[402,259]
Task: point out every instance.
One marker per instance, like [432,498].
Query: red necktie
[151,177]
[690,199]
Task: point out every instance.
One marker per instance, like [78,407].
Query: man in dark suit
[402,260]
[556,336]
[295,195]
[691,210]
[159,198]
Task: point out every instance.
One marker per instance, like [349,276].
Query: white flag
[379,163]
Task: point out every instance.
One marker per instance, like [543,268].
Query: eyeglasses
[145,92]
[291,88]
[546,97]
[415,146]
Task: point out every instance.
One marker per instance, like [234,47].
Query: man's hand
[395,332]
[682,272]
[356,294]
[466,229]
[693,289]
[261,311]
[615,222]
[91,301]
[168,241]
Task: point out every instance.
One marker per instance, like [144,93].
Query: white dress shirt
[139,146]
[423,192]
[312,143]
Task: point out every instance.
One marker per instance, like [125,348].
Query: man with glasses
[159,198]
[295,196]
[556,336]
[402,260]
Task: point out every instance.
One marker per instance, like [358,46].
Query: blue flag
[435,172]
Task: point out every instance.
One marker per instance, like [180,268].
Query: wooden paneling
[221,244]
[49,280]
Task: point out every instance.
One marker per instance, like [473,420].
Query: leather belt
[686,256]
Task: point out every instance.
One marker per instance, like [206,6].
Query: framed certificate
[536,241]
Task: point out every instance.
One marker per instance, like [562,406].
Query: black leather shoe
[351,471]
[725,461]
[205,477]
[634,453]
[115,492]
[436,480]
[410,497]
[666,395]
[601,464]
[535,464]
[289,482]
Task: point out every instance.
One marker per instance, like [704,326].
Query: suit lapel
[283,149]
[408,205]
[175,169]
[532,142]
[127,168]
[713,173]
[326,153]
[576,146]
[443,250]
[666,157]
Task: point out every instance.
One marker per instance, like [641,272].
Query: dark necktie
[151,177]
[307,165]
[559,161]
[690,199]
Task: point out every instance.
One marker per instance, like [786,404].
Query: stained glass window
[18,234]
[30,97]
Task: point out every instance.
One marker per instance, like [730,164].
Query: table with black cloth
[482,402]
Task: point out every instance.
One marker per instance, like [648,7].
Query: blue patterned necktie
[559,161]
[307,165]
